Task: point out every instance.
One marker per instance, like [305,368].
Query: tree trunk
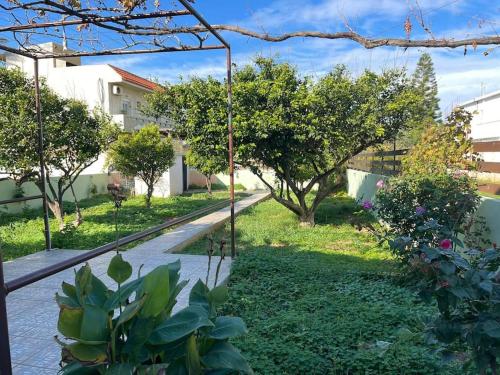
[149,194]
[209,184]
[57,211]
[79,218]
[307,219]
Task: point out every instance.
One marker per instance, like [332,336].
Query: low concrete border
[184,235]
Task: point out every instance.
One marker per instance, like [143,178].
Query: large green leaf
[154,369]
[70,321]
[156,288]
[88,353]
[184,323]
[192,356]
[448,268]
[94,324]
[119,270]
[174,269]
[224,356]
[121,295]
[83,283]
[69,290]
[120,369]
[76,368]
[227,327]
[130,311]
[64,301]
[492,328]
[199,295]
[98,293]
[218,295]
[137,336]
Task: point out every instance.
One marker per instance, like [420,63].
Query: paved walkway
[33,312]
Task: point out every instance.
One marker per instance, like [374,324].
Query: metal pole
[231,159]
[394,156]
[5,360]
[38,107]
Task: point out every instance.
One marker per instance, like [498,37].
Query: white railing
[134,120]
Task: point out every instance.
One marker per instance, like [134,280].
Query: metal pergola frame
[37,54]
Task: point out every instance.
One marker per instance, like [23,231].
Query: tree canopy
[73,137]
[145,154]
[443,148]
[306,131]
[424,80]
[203,127]
[303,130]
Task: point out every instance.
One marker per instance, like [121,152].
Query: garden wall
[241,176]
[361,186]
[85,186]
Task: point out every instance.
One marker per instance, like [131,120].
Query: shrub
[443,147]
[467,290]
[408,202]
[131,330]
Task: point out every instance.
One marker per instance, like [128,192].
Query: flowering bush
[407,203]
[467,291]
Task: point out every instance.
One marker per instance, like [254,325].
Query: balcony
[134,120]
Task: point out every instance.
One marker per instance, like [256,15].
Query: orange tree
[303,130]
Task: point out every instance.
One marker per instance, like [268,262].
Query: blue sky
[459,77]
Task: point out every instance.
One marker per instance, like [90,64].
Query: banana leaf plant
[131,330]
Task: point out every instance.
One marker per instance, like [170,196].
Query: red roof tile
[135,79]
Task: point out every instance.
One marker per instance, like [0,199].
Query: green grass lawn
[323,300]
[22,234]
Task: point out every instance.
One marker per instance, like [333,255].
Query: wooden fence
[387,163]
[486,147]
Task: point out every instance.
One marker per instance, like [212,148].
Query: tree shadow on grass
[340,209]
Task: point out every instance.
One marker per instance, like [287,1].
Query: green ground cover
[22,234]
[323,300]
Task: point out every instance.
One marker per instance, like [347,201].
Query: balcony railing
[134,120]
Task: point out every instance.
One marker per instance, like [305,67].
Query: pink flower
[380,184]
[367,205]
[446,244]
[420,210]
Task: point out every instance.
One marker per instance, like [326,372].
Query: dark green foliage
[73,137]
[302,129]
[424,80]
[132,330]
[145,154]
[428,114]
[466,288]
[450,200]
[198,109]
[323,300]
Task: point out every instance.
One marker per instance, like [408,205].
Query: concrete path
[179,238]
[33,313]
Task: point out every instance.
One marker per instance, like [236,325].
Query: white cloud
[332,14]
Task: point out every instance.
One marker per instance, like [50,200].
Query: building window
[125,107]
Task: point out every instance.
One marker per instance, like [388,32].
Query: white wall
[83,186]
[169,184]
[486,120]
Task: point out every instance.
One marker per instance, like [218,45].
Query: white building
[116,91]
[485,125]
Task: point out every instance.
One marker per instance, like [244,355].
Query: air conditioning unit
[117,90]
